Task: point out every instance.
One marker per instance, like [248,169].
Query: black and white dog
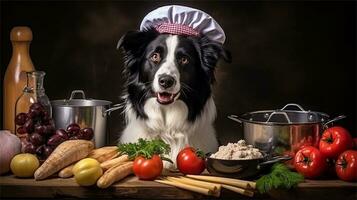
[168,90]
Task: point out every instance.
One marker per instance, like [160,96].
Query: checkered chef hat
[182,20]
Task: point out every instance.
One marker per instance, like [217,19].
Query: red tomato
[147,169]
[346,166]
[310,162]
[190,161]
[334,141]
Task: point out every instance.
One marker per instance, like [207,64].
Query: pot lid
[278,117]
[82,102]
[284,116]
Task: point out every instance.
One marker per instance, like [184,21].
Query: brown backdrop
[302,52]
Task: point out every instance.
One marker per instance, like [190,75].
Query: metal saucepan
[242,168]
[85,112]
[279,131]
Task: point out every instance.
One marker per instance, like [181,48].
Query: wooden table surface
[131,187]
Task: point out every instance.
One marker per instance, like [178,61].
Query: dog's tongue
[165,97]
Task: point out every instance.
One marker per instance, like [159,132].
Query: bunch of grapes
[42,137]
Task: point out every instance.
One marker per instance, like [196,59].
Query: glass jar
[33,92]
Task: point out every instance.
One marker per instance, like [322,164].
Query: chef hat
[182,20]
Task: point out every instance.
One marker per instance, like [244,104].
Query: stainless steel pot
[279,131]
[85,112]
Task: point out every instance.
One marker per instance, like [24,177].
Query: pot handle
[275,160]
[113,108]
[333,120]
[279,113]
[234,118]
[294,105]
[74,92]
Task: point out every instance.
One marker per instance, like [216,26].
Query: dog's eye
[184,60]
[155,57]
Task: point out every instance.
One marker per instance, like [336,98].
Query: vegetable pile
[40,137]
[148,156]
[334,153]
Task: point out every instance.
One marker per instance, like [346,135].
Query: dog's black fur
[195,78]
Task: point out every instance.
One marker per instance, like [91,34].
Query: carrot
[114,174]
[66,172]
[65,154]
[110,163]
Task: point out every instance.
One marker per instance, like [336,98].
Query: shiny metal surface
[241,168]
[86,113]
[280,131]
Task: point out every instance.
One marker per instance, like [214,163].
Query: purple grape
[39,150]
[36,139]
[20,119]
[33,113]
[73,129]
[47,150]
[74,138]
[55,140]
[40,129]
[46,118]
[62,133]
[29,148]
[49,130]
[87,133]
[37,106]
[21,130]
[28,126]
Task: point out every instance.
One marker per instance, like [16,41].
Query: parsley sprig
[145,148]
[279,177]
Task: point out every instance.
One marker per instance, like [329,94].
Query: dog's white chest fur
[169,122]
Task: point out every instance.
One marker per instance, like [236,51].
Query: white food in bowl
[237,151]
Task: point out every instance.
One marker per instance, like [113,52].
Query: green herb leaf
[200,153]
[145,148]
[280,177]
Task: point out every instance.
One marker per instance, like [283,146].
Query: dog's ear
[134,43]
[210,52]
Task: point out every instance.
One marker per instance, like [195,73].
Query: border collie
[168,92]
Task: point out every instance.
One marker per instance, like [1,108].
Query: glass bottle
[33,92]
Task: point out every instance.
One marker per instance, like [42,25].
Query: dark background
[301,52]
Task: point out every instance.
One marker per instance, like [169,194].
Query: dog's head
[169,67]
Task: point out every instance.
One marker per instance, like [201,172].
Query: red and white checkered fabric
[176,29]
[183,20]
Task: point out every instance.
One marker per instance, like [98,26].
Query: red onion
[10,145]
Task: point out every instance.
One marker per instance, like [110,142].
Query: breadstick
[239,190]
[211,186]
[110,163]
[192,188]
[114,174]
[104,153]
[66,172]
[228,181]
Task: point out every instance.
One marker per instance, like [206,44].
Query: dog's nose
[166,81]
